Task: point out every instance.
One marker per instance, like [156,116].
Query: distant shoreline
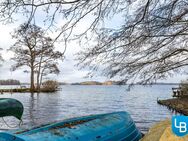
[97,83]
[113,83]
[92,83]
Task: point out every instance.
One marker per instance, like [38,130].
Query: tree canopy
[150,44]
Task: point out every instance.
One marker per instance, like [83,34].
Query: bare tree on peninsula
[25,49]
[33,49]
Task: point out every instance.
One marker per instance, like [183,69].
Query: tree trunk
[41,77]
[38,77]
[38,83]
[32,83]
[39,74]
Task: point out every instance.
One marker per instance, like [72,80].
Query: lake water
[72,100]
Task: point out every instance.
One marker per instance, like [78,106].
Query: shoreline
[179,105]
[24,90]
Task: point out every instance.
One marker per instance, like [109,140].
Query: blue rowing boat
[117,126]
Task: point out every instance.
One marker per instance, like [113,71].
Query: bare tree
[25,49]
[72,12]
[47,60]
[30,47]
[150,44]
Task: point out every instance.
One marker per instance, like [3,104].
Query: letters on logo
[180,125]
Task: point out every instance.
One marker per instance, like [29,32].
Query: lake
[77,100]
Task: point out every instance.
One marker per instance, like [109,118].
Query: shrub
[50,86]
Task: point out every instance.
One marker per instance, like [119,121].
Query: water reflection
[31,109]
[73,101]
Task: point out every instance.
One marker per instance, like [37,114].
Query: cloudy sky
[69,72]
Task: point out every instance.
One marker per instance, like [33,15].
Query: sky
[69,72]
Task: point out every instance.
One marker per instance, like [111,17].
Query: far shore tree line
[36,51]
[10,82]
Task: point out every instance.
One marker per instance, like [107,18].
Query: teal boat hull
[11,107]
[117,126]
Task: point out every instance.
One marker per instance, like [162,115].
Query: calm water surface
[74,100]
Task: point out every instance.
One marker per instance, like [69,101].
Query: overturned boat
[117,126]
[11,107]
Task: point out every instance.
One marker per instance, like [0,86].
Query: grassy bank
[178,104]
[162,132]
